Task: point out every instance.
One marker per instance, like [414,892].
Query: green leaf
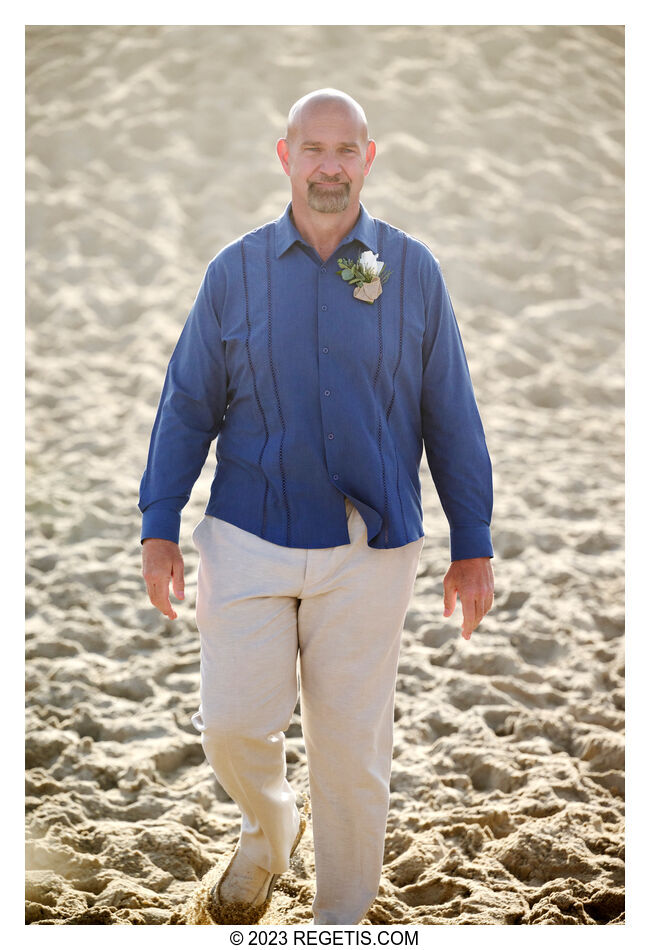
[346,274]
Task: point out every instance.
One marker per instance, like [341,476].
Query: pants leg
[350,621]
[246,615]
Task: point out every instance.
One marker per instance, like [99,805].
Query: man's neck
[324,231]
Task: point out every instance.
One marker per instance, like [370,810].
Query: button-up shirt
[314,396]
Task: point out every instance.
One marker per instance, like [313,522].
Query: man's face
[327,158]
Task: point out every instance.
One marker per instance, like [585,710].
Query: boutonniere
[367,275]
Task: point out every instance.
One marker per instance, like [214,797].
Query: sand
[151,147]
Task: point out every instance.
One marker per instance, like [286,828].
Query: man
[322,381]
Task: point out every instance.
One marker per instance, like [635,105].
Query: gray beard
[328,200]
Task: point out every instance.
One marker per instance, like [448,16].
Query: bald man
[322,353]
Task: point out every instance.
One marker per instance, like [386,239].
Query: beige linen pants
[341,610]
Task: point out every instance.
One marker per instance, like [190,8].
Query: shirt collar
[286,233]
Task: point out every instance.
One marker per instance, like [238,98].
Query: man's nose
[330,164]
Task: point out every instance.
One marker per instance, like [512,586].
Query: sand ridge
[148,149]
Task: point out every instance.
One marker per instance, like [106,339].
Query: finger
[479,611]
[485,605]
[449,601]
[178,578]
[159,597]
[469,618]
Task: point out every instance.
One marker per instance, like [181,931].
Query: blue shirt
[313,395]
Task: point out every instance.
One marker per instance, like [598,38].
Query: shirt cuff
[161,523]
[470,540]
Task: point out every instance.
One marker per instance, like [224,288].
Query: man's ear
[282,148]
[371,151]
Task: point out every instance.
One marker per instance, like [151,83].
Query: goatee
[330,200]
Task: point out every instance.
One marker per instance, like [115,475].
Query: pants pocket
[196,532]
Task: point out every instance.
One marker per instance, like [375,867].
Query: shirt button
[323,307]
[327,392]
[330,435]
[323,270]
[325,349]
[335,477]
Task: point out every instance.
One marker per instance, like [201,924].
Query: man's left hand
[472,580]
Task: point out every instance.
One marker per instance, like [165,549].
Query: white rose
[368,261]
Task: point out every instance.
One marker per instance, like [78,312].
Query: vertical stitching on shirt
[380,357]
[401,326]
[397,364]
[275,383]
[257,398]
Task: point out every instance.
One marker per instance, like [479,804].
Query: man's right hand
[162,561]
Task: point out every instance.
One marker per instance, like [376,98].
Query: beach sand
[151,147]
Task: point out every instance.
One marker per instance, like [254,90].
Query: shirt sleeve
[189,417]
[452,431]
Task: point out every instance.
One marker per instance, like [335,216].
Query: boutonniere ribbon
[367,275]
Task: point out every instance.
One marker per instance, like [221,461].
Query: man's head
[326,151]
